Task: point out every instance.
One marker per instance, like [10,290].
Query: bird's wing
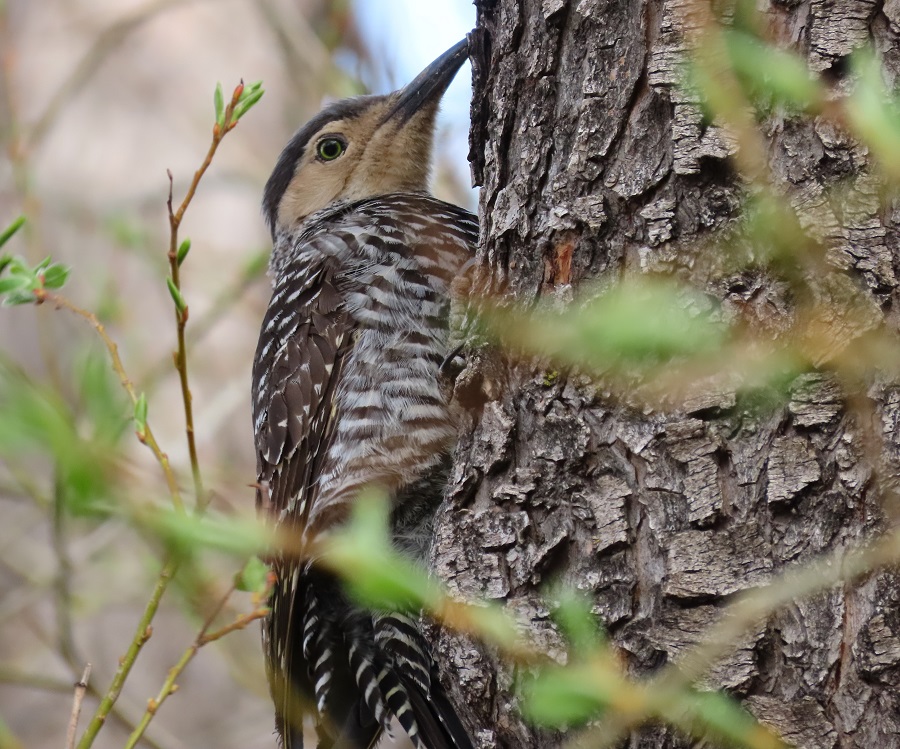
[304,338]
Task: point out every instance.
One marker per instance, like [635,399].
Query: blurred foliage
[78,443]
[644,329]
[22,284]
[7,234]
[189,535]
[636,324]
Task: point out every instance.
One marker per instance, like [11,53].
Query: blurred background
[97,99]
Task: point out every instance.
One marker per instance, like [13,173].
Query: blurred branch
[80,689]
[26,485]
[146,436]
[34,681]
[757,605]
[305,56]
[381,578]
[227,117]
[204,637]
[106,42]
[723,91]
[749,610]
[62,585]
[143,633]
[8,740]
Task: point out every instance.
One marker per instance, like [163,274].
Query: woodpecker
[348,393]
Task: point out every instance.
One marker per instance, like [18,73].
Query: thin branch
[204,637]
[147,437]
[143,633]
[144,630]
[62,584]
[202,324]
[17,678]
[80,689]
[181,317]
[181,310]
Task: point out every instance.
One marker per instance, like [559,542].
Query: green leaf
[564,696]
[254,578]
[246,104]
[16,298]
[219,104]
[38,422]
[573,615]
[102,401]
[8,232]
[640,322]
[766,70]
[140,415]
[873,114]
[55,276]
[180,304]
[11,283]
[190,534]
[250,88]
[16,264]
[183,249]
[375,574]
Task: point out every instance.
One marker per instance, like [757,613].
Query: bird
[349,392]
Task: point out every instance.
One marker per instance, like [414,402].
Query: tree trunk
[593,161]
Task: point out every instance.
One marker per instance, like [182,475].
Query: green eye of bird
[330,148]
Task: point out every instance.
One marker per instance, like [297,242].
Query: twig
[19,160]
[170,567]
[143,633]
[33,681]
[62,584]
[204,637]
[80,689]
[181,310]
[202,324]
[147,437]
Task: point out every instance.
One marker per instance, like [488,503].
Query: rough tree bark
[593,161]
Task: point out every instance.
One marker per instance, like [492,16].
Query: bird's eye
[330,148]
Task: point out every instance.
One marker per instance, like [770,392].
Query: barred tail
[358,673]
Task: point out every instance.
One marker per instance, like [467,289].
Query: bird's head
[361,147]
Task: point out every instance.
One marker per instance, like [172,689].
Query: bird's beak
[429,85]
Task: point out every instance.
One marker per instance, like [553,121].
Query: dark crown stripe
[287,163]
